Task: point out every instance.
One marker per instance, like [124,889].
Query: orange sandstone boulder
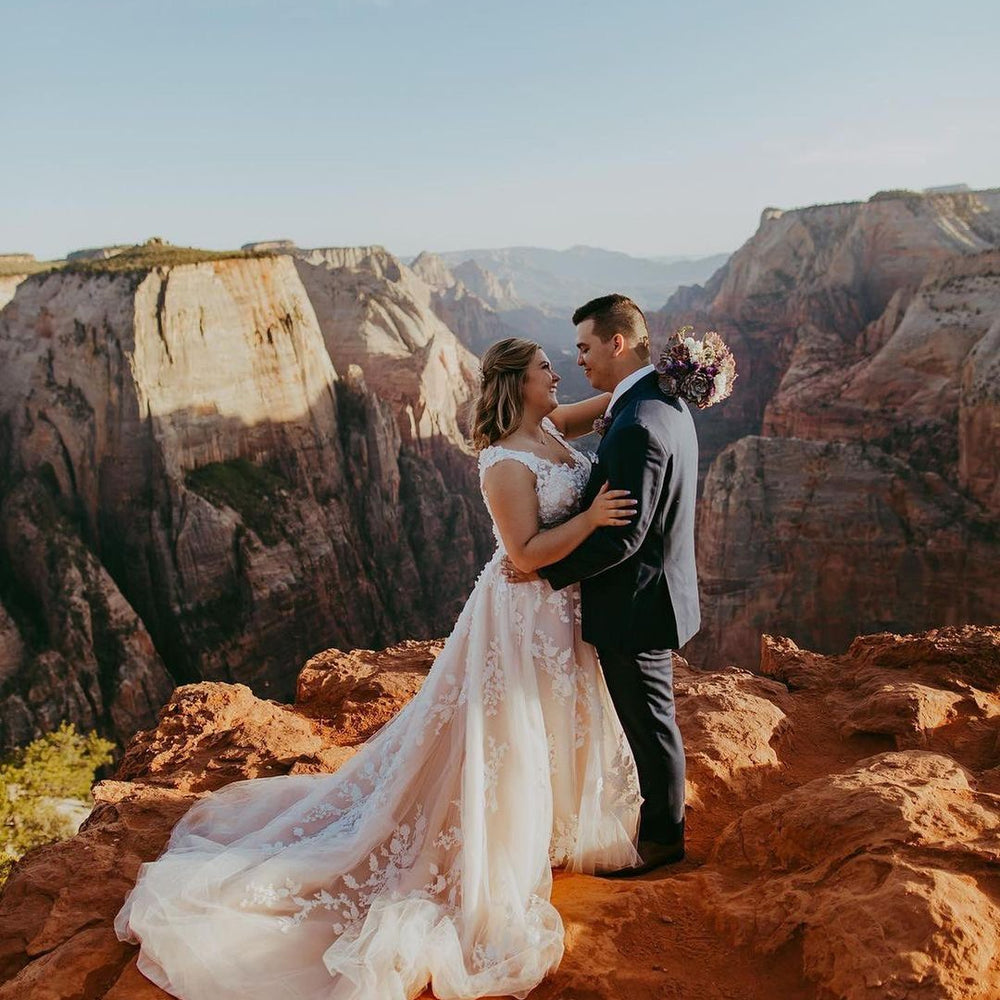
[826,858]
[881,871]
[356,693]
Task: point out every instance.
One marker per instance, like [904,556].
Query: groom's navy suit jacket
[639,584]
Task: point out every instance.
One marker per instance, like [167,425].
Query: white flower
[720,384]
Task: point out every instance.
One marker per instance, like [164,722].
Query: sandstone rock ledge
[844,825]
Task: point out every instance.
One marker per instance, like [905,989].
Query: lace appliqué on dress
[558,485]
[427,855]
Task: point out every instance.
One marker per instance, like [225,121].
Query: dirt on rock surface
[843,817]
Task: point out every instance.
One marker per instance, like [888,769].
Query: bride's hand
[513,575]
[611,508]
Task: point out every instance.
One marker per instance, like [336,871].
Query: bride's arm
[573,420]
[510,489]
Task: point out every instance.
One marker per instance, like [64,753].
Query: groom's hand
[513,575]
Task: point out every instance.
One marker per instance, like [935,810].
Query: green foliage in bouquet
[58,765]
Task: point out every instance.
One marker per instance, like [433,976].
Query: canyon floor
[843,817]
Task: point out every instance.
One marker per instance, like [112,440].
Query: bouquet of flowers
[700,371]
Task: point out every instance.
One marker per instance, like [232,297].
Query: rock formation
[809,537]
[842,817]
[817,292]
[250,499]
[492,312]
[375,313]
[865,324]
[903,392]
[8,285]
[499,294]
[979,418]
[101,253]
[270,246]
[473,319]
[97,667]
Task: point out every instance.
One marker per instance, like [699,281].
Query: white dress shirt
[625,384]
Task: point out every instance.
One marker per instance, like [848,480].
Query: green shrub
[8,267]
[253,491]
[156,253]
[903,194]
[58,765]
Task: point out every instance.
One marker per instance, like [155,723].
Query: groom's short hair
[616,314]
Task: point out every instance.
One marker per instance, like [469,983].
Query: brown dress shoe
[653,855]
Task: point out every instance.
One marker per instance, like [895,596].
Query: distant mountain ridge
[560,280]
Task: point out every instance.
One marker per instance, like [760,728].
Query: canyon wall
[227,482]
[8,286]
[870,328]
[979,419]
[376,313]
[473,318]
[811,537]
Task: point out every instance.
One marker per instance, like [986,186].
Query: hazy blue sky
[650,127]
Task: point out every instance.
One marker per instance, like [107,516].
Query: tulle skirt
[426,859]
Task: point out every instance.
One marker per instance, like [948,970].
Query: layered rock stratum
[842,814]
[212,468]
[8,285]
[850,482]
[814,299]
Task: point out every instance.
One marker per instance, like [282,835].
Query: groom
[638,583]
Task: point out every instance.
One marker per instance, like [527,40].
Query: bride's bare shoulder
[507,472]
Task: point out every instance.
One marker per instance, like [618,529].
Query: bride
[426,859]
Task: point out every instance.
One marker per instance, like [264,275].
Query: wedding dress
[426,859]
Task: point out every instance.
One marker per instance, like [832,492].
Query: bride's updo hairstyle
[500,403]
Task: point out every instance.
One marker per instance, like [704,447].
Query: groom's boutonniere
[601,425]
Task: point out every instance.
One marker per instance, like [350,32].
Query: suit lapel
[647,384]
[643,386]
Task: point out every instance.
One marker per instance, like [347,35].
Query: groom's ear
[618,345]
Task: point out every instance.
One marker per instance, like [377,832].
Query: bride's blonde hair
[499,406]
